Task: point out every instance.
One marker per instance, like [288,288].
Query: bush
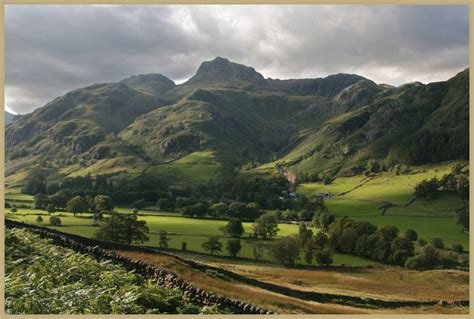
[14,210]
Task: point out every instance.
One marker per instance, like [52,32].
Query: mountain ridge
[317,126]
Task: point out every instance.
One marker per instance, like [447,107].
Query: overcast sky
[53,49]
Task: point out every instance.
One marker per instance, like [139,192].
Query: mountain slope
[8,117]
[330,125]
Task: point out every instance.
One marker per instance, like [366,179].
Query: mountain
[233,115]
[8,117]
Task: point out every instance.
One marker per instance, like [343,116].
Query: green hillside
[314,127]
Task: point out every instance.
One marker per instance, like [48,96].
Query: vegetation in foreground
[42,278]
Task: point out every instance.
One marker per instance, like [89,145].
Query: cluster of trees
[248,211]
[123,228]
[385,245]
[287,250]
[366,240]
[456,181]
[255,193]
[77,204]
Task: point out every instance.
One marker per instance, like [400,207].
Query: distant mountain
[327,125]
[8,117]
[221,70]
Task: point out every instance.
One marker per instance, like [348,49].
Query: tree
[427,189]
[428,259]
[437,243]
[234,227]
[103,203]
[323,258]
[39,219]
[286,250]
[258,250]
[123,228]
[320,240]
[463,216]
[233,247]
[41,201]
[323,221]
[402,249]
[462,186]
[77,205]
[163,239]
[305,235]
[411,235]
[165,204]
[237,209]
[139,204]
[14,210]
[55,220]
[308,254]
[59,201]
[265,226]
[184,245]
[457,247]
[219,210]
[97,217]
[212,245]
[373,166]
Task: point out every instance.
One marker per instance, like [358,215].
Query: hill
[330,126]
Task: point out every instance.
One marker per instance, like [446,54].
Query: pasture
[359,198]
[180,229]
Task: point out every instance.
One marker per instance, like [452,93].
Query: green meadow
[359,198]
[180,229]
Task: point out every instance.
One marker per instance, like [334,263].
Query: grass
[190,230]
[197,167]
[231,289]
[358,197]
[390,283]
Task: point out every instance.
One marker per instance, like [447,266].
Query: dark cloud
[53,49]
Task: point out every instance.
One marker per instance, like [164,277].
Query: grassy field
[181,229]
[358,197]
[197,167]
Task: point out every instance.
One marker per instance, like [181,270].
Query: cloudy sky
[53,49]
